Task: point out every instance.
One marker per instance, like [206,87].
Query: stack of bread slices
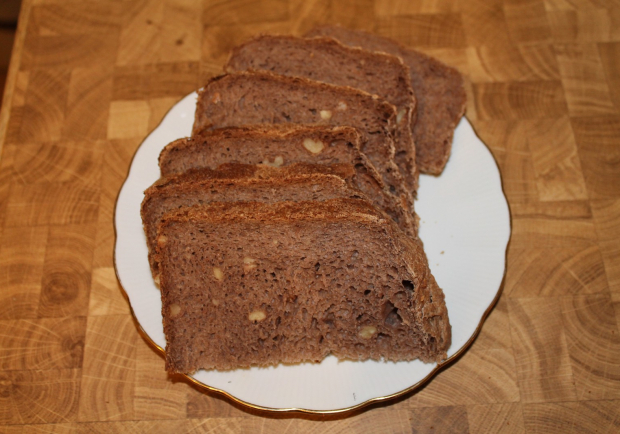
[283,230]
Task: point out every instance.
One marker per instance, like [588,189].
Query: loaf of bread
[439,90]
[283,230]
[244,98]
[281,145]
[257,284]
[327,60]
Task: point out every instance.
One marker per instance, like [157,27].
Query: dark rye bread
[327,60]
[256,284]
[245,98]
[281,145]
[240,182]
[439,90]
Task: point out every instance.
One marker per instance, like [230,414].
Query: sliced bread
[327,60]
[239,182]
[257,284]
[245,98]
[274,145]
[439,90]
[281,145]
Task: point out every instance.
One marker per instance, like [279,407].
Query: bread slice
[275,145]
[281,145]
[240,182]
[245,98]
[256,284]
[439,90]
[327,60]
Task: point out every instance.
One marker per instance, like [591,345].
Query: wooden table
[90,79]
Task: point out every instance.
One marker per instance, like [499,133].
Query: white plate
[465,226]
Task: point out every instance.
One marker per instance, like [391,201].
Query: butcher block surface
[88,80]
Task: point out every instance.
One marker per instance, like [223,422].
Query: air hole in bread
[432,343]
[391,316]
[329,320]
[383,339]
[408,285]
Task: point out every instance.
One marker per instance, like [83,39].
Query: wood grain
[89,80]
[583,79]
[610,61]
[594,345]
[541,353]
[572,417]
[67,269]
[607,216]
[515,63]
[599,151]
[42,344]
[109,369]
[494,418]
[22,255]
[39,396]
